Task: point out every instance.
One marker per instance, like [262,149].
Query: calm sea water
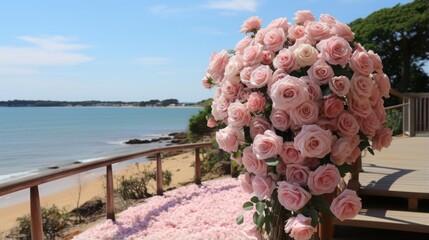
[32,139]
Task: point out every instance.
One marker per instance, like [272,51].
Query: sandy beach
[181,167]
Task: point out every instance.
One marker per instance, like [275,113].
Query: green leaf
[255,217]
[345,168]
[260,221]
[248,206]
[254,199]
[260,206]
[314,214]
[370,150]
[364,144]
[239,220]
[272,161]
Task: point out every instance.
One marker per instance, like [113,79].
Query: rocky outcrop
[173,138]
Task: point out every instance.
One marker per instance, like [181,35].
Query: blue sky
[132,50]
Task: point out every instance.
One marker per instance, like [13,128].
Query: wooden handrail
[34,181]
[398,94]
[62,172]
[396,106]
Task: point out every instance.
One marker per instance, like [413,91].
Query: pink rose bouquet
[295,105]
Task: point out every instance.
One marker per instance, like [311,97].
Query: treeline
[93,103]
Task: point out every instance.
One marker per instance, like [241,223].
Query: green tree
[400,35]
[198,123]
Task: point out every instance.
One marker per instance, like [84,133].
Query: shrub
[198,123]
[137,186]
[394,121]
[54,221]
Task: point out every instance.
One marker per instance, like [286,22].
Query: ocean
[35,138]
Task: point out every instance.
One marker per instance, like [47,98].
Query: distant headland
[93,103]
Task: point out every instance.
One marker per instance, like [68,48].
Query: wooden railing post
[326,230]
[411,117]
[110,200]
[36,214]
[197,167]
[159,180]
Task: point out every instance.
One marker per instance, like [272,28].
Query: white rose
[305,55]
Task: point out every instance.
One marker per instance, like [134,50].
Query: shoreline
[88,187]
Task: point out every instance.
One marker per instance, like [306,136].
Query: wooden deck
[400,171]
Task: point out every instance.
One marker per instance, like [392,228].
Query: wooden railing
[415,111]
[50,175]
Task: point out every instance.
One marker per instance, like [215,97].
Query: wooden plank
[110,198]
[197,167]
[402,170]
[390,220]
[36,214]
[159,179]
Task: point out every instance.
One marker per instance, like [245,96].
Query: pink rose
[243,44]
[230,89]
[253,55]
[253,164]
[305,55]
[306,113]
[341,150]
[244,94]
[298,174]
[370,124]
[281,168]
[238,115]
[327,123]
[260,76]
[340,85]
[246,73]
[220,107]
[259,37]
[344,31]
[359,107]
[211,122]
[206,81]
[274,39]
[353,156]
[346,205]
[335,50]
[263,187]
[326,18]
[267,145]
[280,119]
[382,139]
[333,106]
[379,111]
[251,24]
[299,227]
[252,233]
[218,62]
[376,60]
[279,23]
[291,196]
[320,72]
[255,102]
[296,32]
[347,125]
[303,17]
[291,155]
[229,138]
[277,75]
[313,141]
[288,93]
[246,182]
[383,84]
[361,63]
[234,66]
[258,125]
[313,88]
[316,31]
[324,179]
[268,57]
[285,60]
